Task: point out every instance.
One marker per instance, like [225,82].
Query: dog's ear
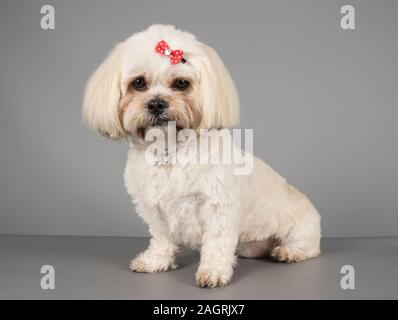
[219,99]
[102,96]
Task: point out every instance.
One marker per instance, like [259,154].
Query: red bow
[176,56]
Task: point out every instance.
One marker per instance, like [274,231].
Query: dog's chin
[141,131]
[158,123]
[147,123]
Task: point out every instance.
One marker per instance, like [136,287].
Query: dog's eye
[139,84]
[180,84]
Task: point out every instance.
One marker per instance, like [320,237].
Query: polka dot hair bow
[176,56]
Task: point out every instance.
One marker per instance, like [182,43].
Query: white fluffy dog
[143,84]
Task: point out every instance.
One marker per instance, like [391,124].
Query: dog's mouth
[158,120]
[161,121]
[152,121]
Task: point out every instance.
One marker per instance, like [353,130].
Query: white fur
[207,207]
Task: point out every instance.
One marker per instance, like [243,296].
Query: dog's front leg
[161,252]
[158,257]
[219,241]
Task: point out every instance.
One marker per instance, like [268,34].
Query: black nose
[157,105]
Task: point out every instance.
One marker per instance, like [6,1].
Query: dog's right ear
[102,96]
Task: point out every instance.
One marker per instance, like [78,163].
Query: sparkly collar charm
[162,159]
[176,56]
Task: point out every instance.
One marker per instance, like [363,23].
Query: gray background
[322,103]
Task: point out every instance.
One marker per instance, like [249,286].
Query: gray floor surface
[97,268]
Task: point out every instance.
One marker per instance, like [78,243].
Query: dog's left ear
[102,97]
[218,96]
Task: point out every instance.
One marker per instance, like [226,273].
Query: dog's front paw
[211,277]
[150,263]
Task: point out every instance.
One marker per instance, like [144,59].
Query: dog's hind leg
[301,243]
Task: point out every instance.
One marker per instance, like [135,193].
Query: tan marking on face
[183,109]
[183,105]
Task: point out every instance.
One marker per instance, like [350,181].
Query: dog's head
[138,86]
